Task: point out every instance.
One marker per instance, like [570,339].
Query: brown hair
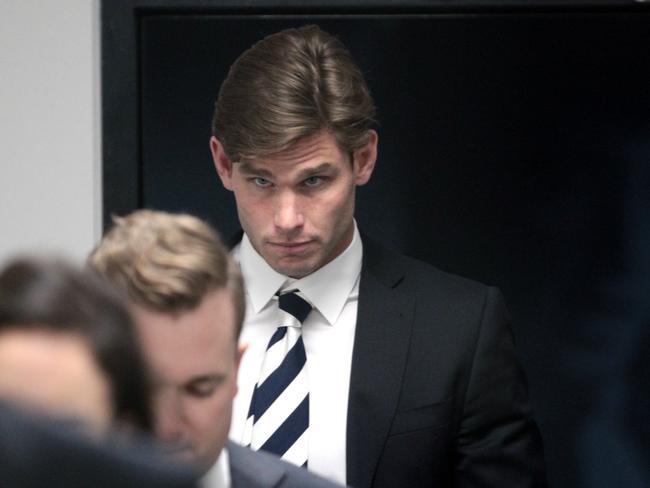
[49,294]
[167,262]
[288,86]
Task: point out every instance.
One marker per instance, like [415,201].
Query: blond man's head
[167,262]
[187,300]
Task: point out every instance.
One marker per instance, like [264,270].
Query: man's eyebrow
[321,168]
[249,168]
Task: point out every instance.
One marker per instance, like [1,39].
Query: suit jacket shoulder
[251,469]
[415,276]
[437,394]
[42,453]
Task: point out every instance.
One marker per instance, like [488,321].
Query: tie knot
[294,304]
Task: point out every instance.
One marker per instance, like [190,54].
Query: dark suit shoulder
[448,311]
[418,277]
[462,411]
[251,469]
[39,452]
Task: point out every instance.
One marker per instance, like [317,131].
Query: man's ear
[241,349]
[221,162]
[365,158]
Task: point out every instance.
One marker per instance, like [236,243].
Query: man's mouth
[290,247]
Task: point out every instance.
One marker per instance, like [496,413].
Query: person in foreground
[187,300]
[68,348]
[72,385]
[394,374]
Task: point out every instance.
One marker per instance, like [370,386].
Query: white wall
[49,127]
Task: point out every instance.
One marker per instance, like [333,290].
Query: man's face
[297,206]
[193,358]
[54,373]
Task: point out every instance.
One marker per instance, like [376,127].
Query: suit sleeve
[498,443]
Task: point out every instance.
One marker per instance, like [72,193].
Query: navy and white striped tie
[278,418]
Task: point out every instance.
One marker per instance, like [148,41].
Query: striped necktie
[278,418]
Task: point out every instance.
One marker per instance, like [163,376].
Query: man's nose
[168,417]
[288,212]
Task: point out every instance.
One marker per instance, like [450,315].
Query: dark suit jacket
[39,453]
[437,395]
[250,469]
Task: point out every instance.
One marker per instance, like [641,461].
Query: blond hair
[167,262]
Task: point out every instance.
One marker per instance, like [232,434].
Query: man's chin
[293,263]
[182,455]
[191,459]
[297,271]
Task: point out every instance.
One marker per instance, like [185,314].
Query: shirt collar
[218,476]
[327,289]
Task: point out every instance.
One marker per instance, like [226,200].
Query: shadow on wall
[615,438]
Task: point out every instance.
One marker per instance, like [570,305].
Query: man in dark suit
[186,296]
[70,367]
[396,374]
[68,348]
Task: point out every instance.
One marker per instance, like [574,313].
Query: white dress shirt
[218,476]
[328,335]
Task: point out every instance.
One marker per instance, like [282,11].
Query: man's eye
[314,181]
[261,182]
[200,391]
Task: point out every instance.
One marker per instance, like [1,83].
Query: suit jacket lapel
[384,322]
[248,470]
